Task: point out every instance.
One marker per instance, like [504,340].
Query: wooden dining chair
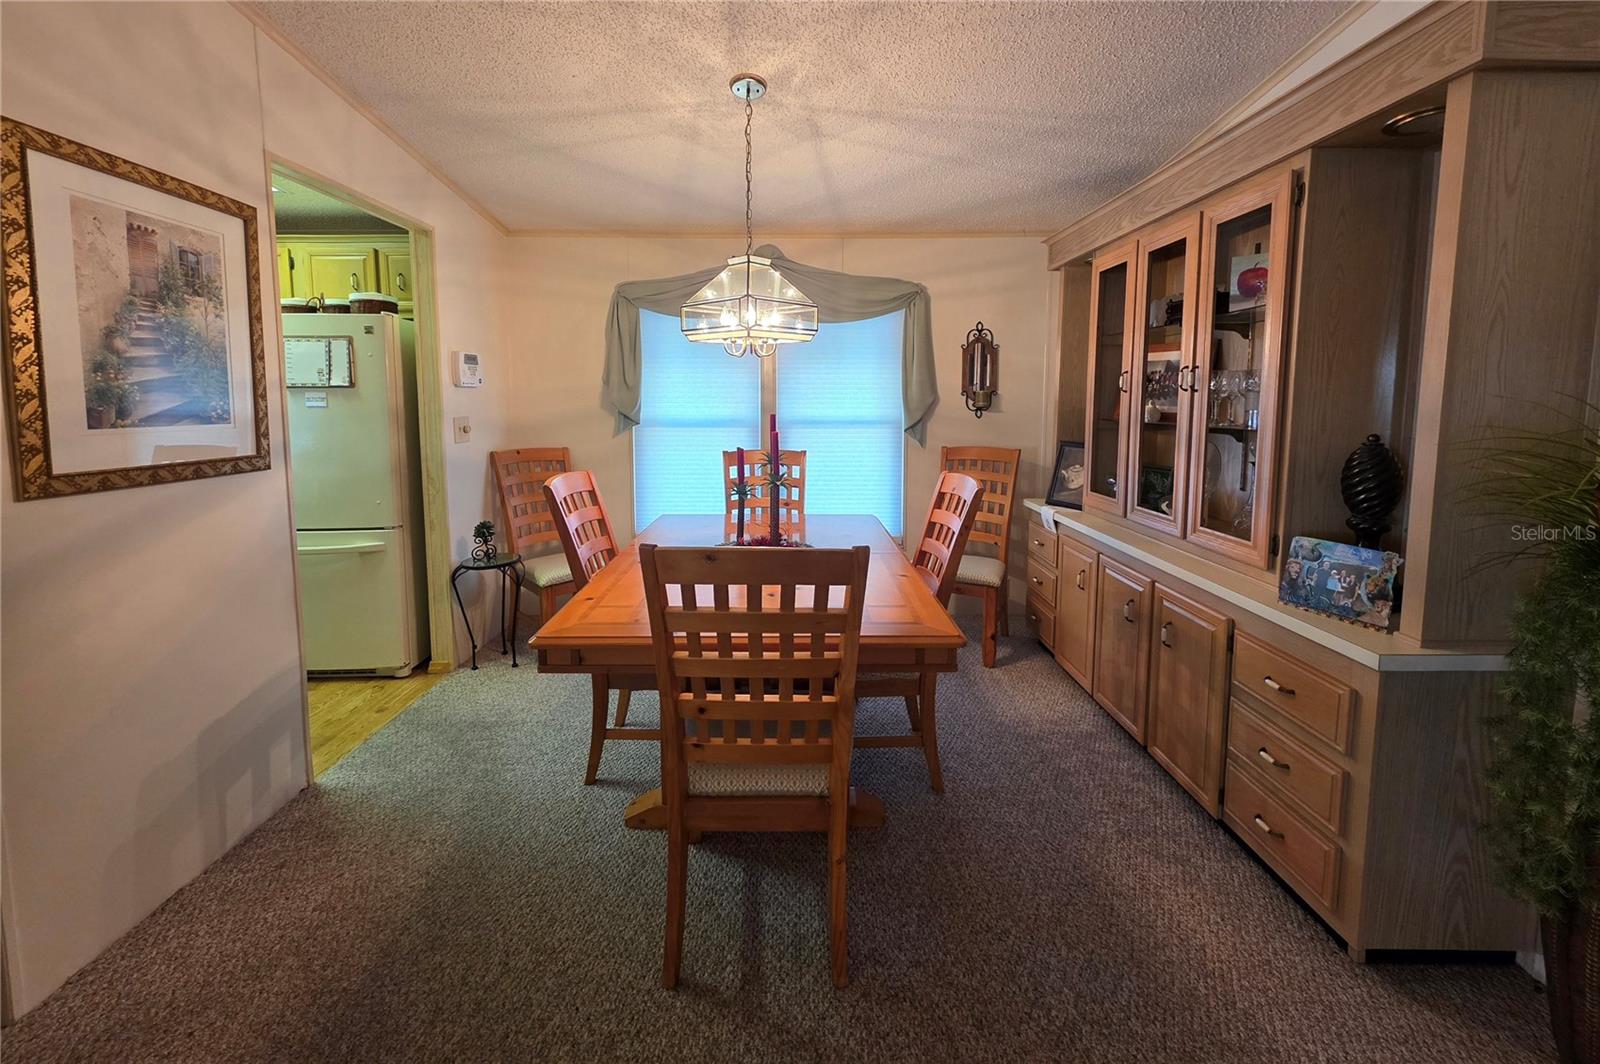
[529,529]
[587,542]
[755,653]
[757,519]
[983,574]
[957,499]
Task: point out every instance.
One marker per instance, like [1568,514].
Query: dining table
[907,638]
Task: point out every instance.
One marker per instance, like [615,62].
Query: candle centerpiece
[741,495]
[772,480]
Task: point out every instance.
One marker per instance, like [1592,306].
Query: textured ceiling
[882,117]
[298,208]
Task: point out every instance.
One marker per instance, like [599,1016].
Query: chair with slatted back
[588,545]
[757,518]
[530,531]
[984,574]
[756,661]
[937,559]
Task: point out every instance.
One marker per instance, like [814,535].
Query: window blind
[839,401]
[695,401]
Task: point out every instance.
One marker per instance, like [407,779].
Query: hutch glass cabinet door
[1237,370]
[1163,360]
[1110,349]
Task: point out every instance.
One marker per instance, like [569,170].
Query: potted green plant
[1544,766]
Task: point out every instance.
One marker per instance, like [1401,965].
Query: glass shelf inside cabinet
[1234,366]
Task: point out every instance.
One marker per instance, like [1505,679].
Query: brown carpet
[451,891]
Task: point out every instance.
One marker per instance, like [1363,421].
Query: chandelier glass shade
[748,307]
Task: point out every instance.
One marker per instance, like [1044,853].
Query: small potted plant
[1544,762]
[483,548]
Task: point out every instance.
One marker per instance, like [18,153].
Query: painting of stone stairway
[153,318]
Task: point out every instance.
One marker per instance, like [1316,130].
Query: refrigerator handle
[345,548]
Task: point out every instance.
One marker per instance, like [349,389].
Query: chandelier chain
[749,230]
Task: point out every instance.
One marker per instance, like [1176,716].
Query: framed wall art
[133,342]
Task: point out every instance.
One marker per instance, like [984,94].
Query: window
[694,402]
[838,399]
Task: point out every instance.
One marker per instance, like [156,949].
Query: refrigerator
[355,468]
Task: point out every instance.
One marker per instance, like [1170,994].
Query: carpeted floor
[450,891]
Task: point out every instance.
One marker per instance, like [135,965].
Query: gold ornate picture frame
[134,352]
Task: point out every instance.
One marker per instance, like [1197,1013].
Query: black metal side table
[511,571]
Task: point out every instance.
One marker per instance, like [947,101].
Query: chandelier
[749,306]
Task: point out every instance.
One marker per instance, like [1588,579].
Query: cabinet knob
[1264,826]
[1166,634]
[1278,687]
[1127,611]
[1266,755]
[1081,574]
[1033,618]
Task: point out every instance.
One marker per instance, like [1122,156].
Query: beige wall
[563,287]
[150,676]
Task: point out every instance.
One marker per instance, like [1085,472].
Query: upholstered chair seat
[547,570]
[980,570]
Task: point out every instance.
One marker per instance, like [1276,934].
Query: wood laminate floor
[346,713]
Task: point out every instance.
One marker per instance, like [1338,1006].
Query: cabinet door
[1110,350]
[1189,695]
[1077,577]
[395,275]
[1241,325]
[335,274]
[1122,645]
[1163,364]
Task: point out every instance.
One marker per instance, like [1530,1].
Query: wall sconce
[980,369]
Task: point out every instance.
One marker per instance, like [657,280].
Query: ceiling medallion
[749,306]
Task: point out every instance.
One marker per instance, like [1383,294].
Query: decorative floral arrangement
[483,549]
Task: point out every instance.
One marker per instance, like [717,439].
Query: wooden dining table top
[609,614]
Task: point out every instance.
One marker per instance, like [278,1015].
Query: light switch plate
[462,427]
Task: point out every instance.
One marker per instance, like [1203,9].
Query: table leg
[456,590]
[600,693]
[928,686]
[505,574]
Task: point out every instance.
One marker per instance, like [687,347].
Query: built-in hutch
[1232,328]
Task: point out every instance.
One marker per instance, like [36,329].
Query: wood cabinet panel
[1287,843]
[335,274]
[1041,581]
[1122,645]
[1315,702]
[1188,704]
[1077,579]
[1041,619]
[1288,768]
[394,276]
[1041,544]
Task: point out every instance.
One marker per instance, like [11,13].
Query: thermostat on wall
[469,371]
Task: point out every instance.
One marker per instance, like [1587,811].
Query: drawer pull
[1266,827]
[1081,574]
[1127,611]
[1266,756]
[1278,687]
[1038,543]
[1036,580]
[1033,618]
[1166,635]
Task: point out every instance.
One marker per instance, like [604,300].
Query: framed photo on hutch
[133,336]
[1066,482]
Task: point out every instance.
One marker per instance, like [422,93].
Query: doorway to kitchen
[362,424]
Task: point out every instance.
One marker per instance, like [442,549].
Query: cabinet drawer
[1288,768]
[1312,700]
[1042,619]
[1283,840]
[1041,580]
[1041,544]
